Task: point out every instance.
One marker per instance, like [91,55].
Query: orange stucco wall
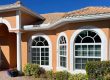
[8,39]
[69,29]
[10,17]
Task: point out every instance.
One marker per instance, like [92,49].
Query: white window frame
[47,67]
[103,45]
[59,68]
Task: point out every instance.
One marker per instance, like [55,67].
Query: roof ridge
[88,8]
[53,13]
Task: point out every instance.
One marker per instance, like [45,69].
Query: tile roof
[88,11]
[53,17]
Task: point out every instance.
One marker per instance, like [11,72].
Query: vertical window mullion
[40,55]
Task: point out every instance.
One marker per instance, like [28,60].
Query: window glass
[62,51]
[87,48]
[40,51]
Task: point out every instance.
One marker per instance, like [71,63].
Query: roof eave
[70,19]
[22,8]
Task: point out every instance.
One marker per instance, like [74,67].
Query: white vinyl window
[87,48]
[40,51]
[62,52]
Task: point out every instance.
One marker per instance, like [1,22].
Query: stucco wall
[7,47]
[10,17]
[69,29]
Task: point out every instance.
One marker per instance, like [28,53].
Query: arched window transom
[87,48]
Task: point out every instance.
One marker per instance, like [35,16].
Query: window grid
[86,51]
[40,51]
[62,51]
[41,57]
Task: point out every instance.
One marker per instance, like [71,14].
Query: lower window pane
[33,54]
[42,54]
[78,66]
[78,53]
[97,59]
[83,66]
[97,53]
[84,47]
[97,47]
[77,47]
[46,54]
[33,49]
[46,58]
[62,58]
[64,64]
[46,50]
[38,58]
[38,54]
[90,59]
[42,58]
[90,47]
[63,61]
[33,62]
[90,53]
[33,58]
[42,62]
[37,62]
[78,60]
[84,53]
[84,60]
[46,62]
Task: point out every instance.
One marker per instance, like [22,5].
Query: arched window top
[62,40]
[40,41]
[88,36]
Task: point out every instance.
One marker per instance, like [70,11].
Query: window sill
[78,71]
[61,69]
[47,67]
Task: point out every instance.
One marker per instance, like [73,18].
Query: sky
[50,6]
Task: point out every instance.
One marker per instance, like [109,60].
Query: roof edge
[68,20]
[23,8]
[18,6]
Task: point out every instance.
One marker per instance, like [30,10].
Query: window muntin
[87,48]
[62,52]
[89,36]
[40,51]
[39,41]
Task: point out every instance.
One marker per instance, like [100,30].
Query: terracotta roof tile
[53,17]
[88,11]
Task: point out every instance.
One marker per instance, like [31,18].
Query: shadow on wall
[3,61]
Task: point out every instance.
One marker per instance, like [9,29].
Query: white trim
[5,22]
[58,67]
[49,67]
[19,55]
[103,44]
[24,9]
[14,7]
[18,20]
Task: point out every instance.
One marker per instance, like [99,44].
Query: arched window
[40,51]
[87,48]
[62,52]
